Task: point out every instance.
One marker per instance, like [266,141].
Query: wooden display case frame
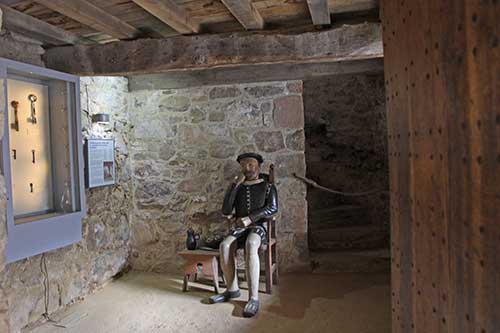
[44,232]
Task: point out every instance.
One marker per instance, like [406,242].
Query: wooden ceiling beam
[320,13]
[347,6]
[92,16]
[245,12]
[170,13]
[252,73]
[29,26]
[344,43]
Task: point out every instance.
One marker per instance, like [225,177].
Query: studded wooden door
[442,68]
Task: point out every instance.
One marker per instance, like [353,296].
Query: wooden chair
[269,252]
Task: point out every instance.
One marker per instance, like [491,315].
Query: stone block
[224,92]
[199,99]
[289,112]
[294,87]
[248,149]
[268,142]
[293,216]
[296,140]
[192,185]
[190,134]
[145,156]
[222,148]
[174,103]
[145,171]
[287,165]
[231,169]
[217,116]
[266,108]
[154,129]
[264,91]
[193,153]
[246,114]
[166,152]
[213,131]
[151,189]
[197,114]
[4,311]
[179,202]
[242,135]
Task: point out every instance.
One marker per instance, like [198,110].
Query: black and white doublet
[257,200]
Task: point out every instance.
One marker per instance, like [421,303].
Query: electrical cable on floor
[46,287]
[348,194]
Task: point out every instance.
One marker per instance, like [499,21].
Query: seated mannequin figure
[253,200]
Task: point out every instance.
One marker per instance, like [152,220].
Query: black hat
[252,155]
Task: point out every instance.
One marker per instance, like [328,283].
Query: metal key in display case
[32,118]
[15,124]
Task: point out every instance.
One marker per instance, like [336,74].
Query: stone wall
[346,150]
[19,48]
[76,270]
[184,146]
[12,47]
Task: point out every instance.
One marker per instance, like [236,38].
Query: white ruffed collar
[253,182]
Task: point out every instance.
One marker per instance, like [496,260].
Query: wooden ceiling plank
[320,13]
[170,13]
[246,13]
[27,25]
[93,16]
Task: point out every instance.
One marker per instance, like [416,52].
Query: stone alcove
[346,150]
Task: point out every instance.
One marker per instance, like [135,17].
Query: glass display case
[42,158]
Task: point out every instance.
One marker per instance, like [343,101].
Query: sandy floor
[148,302]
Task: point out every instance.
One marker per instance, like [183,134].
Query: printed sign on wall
[100,162]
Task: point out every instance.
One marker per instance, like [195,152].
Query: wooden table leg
[215,271]
[185,284]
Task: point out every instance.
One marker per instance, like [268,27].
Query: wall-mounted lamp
[100,118]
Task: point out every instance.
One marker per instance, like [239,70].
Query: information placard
[100,162]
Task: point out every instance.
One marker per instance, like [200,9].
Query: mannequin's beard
[251,175]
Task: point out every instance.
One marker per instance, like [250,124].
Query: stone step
[338,216]
[373,261]
[358,238]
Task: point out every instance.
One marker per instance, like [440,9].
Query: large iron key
[15,124]
[32,117]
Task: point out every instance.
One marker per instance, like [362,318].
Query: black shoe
[251,308]
[224,297]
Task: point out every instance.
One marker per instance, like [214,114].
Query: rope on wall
[348,194]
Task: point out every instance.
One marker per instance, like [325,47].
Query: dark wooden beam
[93,16]
[252,73]
[29,26]
[320,13]
[348,6]
[245,12]
[147,56]
[170,13]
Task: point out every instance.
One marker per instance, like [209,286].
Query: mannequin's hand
[238,180]
[243,222]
